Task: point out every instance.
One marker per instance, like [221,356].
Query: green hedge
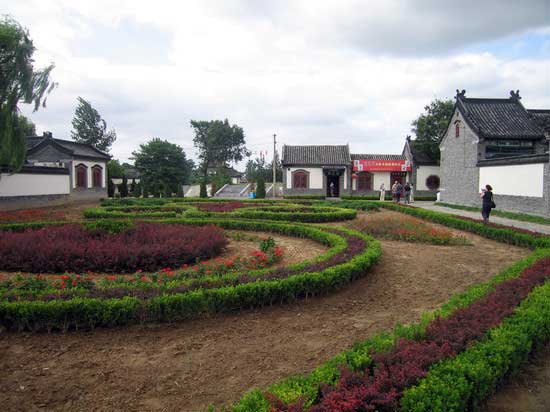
[307,387]
[79,313]
[462,383]
[101,213]
[306,197]
[387,197]
[502,213]
[309,214]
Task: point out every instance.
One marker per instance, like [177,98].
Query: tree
[27,126]
[218,143]
[110,188]
[123,187]
[19,81]
[90,128]
[203,191]
[258,167]
[162,165]
[431,125]
[260,188]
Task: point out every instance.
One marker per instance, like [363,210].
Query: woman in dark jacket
[487,205]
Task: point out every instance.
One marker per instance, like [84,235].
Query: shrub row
[309,214]
[463,383]
[101,213]
[304,196]
[387,197]
[73,248]
[341,250]
[298,392]
[503,213]
[503,234]
[91,312]
[380,386]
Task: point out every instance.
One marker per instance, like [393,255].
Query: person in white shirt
[382,192]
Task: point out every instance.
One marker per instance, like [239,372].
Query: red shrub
[71,248]
[29,215]
[220,206]
[380,387]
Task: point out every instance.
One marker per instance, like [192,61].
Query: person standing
[398,192]
[487,203]
[407,193]
[394,191]
[382,192]
[412,193]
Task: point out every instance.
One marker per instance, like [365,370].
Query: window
[432,182]
[97,178]
[364,181]
[457,129]
[508,147]
[299,180]
[81,176]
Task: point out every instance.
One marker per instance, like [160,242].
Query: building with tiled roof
[497,142]
[86,165]
[323,170]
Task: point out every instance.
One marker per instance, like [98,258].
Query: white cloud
[312,72]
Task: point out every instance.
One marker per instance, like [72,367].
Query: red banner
[381,166]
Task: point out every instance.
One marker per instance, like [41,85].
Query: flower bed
[505,234]
[409,229]
[147,301]
[374,374]
[73,248]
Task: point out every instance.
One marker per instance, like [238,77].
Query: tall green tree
[260,168]
[19,82]
[89,127]
[218,143]
[431,125]
[163,166]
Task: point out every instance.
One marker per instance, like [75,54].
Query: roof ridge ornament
[515,95]
[460,94]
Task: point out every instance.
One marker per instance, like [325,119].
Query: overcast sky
[313,72]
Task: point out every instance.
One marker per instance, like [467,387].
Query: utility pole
[274,164]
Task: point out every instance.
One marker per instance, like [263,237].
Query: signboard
[381,166]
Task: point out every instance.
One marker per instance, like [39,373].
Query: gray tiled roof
[541,118]
[377,157]
[498,118]
[316,155]
[76,149]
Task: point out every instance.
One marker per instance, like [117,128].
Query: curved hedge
[249,210]
[437,392]
[263,287]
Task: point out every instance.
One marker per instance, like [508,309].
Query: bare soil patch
[528,391]
[187,366]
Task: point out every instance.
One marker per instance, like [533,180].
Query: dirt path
[528,391]
[187,366]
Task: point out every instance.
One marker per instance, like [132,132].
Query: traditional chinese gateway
[332,171]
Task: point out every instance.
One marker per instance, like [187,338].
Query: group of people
[398,192]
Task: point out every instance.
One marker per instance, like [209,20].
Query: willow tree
[19,82]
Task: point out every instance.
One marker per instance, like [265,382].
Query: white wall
[422,173]
[89,164]
[33,184]
[315,177]
[514,180]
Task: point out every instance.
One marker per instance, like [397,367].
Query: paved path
[535,227]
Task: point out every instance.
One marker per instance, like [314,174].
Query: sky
[310,71]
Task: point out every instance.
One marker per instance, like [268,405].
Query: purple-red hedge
[71,248]
[380,387]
